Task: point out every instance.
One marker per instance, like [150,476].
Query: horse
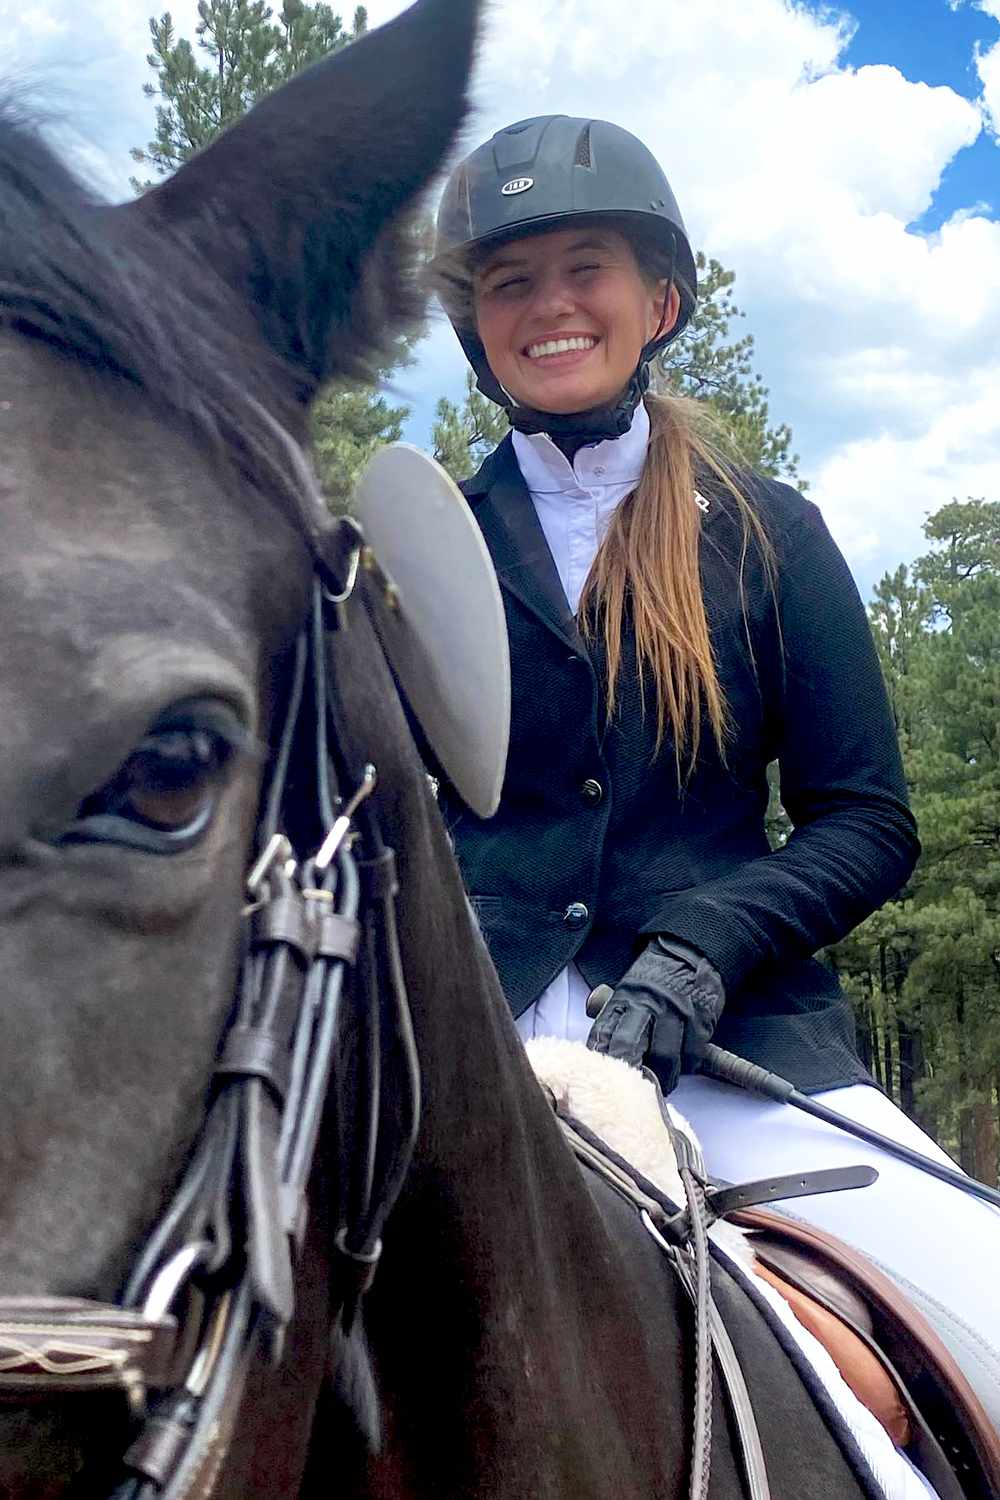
[195,705]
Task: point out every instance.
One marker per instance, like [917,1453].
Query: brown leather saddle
[951,1438]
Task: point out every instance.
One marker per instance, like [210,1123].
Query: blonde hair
[648,569]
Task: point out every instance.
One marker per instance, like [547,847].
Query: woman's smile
[559,350]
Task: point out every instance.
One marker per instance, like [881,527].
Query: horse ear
[302,206]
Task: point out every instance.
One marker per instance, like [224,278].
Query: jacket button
[576,915]
[592,792]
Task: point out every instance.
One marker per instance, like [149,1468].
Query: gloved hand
[663,1011]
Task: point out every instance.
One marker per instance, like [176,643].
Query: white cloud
[988,67]
[883,487]
[987,61]
[40,22]
[988,7]
[803,175]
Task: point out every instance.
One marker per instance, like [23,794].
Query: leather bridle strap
[215,1285]
[279,1055]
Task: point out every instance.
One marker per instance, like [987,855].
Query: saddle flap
[942,1398]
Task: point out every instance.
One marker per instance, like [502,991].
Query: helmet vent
[582,156]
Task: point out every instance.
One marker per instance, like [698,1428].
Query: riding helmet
[547,173]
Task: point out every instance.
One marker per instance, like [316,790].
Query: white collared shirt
[574,503]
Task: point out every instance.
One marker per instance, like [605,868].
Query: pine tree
[709,365]
[463,436]
[246,53]
[348,426]
[925,971]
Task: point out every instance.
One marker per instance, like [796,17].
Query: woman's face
[564,317]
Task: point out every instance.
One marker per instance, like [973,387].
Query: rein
[214,1287]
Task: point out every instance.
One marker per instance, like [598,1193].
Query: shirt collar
[616,461]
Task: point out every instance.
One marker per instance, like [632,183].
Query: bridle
[214,1288]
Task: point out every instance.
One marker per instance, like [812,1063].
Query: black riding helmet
[544,174]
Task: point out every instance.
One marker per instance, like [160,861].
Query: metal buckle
[171,1277]
[278,851]
[353,563]
[346,528]
[338,830]
[208,1351]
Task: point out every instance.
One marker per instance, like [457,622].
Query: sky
[844,162]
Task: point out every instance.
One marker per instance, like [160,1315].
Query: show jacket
[595,845]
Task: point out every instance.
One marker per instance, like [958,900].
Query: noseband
[214,1288]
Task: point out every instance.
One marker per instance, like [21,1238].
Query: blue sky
[928,39]
[932,43]
[841,160]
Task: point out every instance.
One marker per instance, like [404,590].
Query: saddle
[888,1353]
[945,1427]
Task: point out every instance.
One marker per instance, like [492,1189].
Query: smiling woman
[675,626]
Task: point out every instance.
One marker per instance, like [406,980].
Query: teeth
[559,346]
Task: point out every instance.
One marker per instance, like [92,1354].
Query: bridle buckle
[278,852]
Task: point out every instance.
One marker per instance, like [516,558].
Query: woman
[675,626]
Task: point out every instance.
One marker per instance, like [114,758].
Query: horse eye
[169,784]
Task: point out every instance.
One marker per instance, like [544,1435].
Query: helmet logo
[517,185]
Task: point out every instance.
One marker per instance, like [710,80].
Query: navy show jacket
[595,846]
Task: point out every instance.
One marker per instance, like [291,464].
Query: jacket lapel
[525,567]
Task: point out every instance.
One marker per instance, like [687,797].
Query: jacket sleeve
[855,840]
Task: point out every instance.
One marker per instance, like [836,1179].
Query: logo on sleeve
[517,185]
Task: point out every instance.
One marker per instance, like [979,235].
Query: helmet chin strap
[597,425]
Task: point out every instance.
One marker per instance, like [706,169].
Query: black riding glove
[663,1011]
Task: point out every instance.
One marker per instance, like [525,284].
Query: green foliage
[241,55]
[927,967]
[705,362]
[348,425]
[463,436]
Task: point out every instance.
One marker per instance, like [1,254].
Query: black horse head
[154,571]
